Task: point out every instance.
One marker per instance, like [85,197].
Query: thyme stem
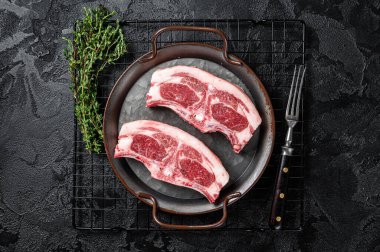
[95,45]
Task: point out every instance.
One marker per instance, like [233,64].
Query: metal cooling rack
[271,48]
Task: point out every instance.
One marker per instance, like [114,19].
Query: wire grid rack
[271,48]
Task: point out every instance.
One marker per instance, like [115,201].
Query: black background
[343,128]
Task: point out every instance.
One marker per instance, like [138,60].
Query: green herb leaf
[96,44]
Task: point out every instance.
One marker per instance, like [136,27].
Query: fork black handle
[280,193]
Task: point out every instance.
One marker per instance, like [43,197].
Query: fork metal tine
[299,93]
[293,107]
[291,92]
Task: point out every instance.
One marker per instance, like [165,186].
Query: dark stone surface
[343,160]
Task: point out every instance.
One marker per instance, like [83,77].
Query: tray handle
[190,28]
[189,227]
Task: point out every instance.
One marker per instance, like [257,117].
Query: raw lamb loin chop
[173,156]
[207,102]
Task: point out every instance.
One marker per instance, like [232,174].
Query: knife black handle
[280,194]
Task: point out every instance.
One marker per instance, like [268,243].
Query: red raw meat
[207,102]
[173,156]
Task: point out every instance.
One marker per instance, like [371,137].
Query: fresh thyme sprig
[96,44]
